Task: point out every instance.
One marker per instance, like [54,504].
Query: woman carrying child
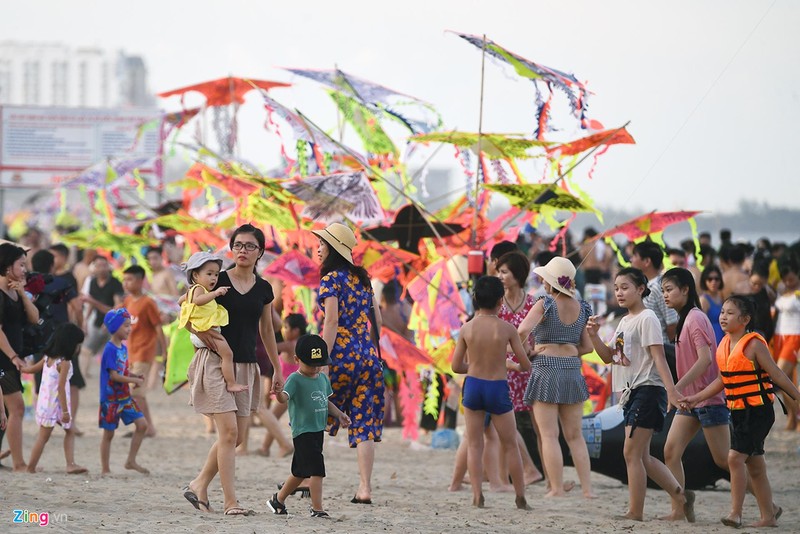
[249,305]
[639,351]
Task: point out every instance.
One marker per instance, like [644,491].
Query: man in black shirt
[104,293]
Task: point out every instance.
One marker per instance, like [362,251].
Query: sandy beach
[410,488]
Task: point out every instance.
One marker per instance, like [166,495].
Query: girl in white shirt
[639,350]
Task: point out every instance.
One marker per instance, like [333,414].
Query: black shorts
[646,408]
[11,381]
[749,429]
[307,460]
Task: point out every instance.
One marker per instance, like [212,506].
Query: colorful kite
[409,226]
[224,91]
[378,99]
[648,224]
[575,91]
[331,197]
[294,268]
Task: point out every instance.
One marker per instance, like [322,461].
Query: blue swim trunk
[112,412]
[714,415]
[491,396]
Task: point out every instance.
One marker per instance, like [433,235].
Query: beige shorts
[249,400]
[207,392]
[140,368]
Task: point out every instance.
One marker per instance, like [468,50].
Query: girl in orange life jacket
[640,354]
[747,373]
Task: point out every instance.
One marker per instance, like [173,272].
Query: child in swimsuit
[486,392]
[203,314]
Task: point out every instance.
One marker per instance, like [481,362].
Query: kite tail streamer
[500,172]
[543,116]
[302,157]
[101,206]
[595,158]
[562,235]
[139,183]
[410,398]
[698,256]
[271,123]
[431,406]
[657,237]
[620,258]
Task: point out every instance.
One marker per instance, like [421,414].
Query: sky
[711,88]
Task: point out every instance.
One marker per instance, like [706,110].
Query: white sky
[712,95]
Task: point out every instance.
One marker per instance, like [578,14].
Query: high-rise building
[53,74]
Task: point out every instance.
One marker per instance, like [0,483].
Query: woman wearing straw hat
[556,387]
[345,296]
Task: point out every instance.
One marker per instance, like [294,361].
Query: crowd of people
[714,337]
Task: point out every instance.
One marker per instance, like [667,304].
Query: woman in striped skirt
[556,387]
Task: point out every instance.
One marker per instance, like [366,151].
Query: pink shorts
[288,368]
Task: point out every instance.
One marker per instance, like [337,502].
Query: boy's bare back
[486,338]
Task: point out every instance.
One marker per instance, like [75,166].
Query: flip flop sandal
[237,510]
[191,496]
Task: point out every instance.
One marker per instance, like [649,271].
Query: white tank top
[788,307]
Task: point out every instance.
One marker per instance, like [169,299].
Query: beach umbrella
[409,226]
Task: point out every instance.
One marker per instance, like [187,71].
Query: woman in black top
[249,305]
[16,309]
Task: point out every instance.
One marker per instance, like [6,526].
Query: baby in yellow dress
[200,313]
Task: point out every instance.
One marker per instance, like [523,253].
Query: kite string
[688,117]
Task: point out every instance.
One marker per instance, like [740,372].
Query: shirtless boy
[486,337]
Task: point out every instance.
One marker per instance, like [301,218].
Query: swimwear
[491,396]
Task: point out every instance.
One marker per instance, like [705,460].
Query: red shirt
[144,321]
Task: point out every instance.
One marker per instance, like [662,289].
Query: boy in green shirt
[307,392]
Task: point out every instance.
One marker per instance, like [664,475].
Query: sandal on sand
[688,506]
[191,496]
[356,500]
[238,510]
[305,491]
[728,522]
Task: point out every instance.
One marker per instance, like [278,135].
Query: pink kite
[294,268]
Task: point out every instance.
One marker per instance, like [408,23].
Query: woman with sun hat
[556,387]
[356,374]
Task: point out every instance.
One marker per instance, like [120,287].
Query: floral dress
[517,381]
[356,372]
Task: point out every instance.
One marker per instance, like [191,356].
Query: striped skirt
[556,380]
